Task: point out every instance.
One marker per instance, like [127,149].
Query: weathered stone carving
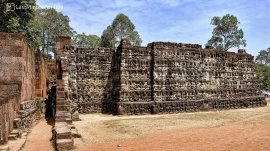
[160,78]
[88,71]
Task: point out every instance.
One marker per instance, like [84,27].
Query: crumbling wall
[160,78]
[133,79]
[189,78]
[17,84]
[89,70]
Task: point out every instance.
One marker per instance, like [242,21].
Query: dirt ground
[243,129]
[39,137]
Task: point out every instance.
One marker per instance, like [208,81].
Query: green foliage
[226,34]
[16,15]
[84,40]
[263,73]
[264,57]
[121,28]
[47,56]
[49,24]
[39,26]
[107,38]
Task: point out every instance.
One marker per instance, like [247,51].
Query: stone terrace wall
[160,78]
[189,78]
[133,79]
[89,70]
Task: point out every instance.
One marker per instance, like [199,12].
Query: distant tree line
[41,27]
[263,68]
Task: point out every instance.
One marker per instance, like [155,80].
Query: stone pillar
[61,42]
[62,74]
[62,134]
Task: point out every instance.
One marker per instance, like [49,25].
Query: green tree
[107,38]
[263,73]
[121,28]
[16,15]
[50,25]
[226,34]
[263,57]
[84,40]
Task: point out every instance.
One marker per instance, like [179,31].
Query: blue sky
[186,21]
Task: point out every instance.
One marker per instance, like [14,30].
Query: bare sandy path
[232,130]
[39,138]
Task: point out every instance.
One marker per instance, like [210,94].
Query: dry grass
[100,128]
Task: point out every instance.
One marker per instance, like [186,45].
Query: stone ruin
[22,86]
[163,77]
[25,78]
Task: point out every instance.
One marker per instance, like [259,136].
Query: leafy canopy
[39,26]
[16,15]
[121,28]
[226,34]
[50,25]
[84,40]
[264,57]
[263,73]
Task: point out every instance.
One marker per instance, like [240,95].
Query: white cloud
[170,20]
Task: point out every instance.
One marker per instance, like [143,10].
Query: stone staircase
[29,113]
[60,96]
[17,129]
[14,134]
[63,131]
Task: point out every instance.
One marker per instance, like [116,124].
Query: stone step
[71,126]
[4,148]
[16,132]
[60,94]
[60,120]
[60,88]
[17,122]
[62,114]
[64,144]
[60,102]
[59,82]
[12,137]
[69,120]
[75,133]
[61,107]
[63,133]
[60,124]
[60,99]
